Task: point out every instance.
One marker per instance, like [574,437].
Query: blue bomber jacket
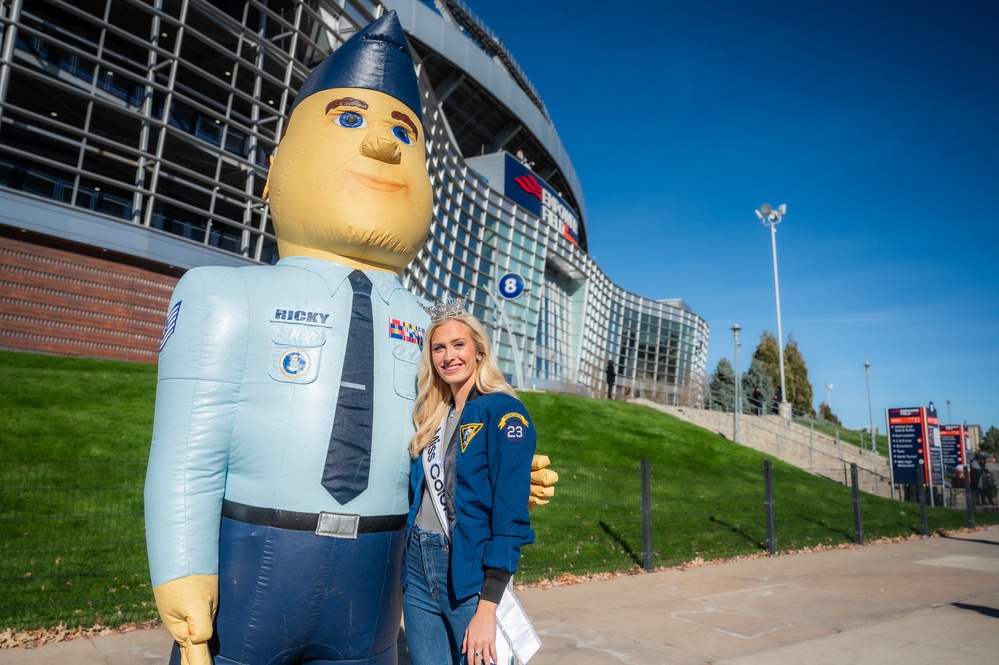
[492,482]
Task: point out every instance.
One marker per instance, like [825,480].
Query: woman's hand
[479,643]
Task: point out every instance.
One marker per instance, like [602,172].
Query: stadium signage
[914,446]
[535,195]
[511,286]
[954,442]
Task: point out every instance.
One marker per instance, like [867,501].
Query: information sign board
[953,441]
[905,445]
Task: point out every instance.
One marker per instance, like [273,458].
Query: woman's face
[454,357]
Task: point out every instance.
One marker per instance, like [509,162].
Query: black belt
[335,525]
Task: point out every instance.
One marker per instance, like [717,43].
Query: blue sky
[876,123]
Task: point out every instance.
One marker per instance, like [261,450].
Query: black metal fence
[72,545]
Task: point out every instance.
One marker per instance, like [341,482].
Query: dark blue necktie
[348,459]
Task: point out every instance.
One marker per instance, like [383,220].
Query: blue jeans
[435,620]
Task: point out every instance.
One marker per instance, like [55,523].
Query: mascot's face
[350,182]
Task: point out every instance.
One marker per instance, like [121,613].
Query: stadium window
[209,130]
[236,142]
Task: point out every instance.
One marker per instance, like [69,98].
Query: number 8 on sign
[511,285]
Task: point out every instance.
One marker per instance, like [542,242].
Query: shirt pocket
[296,352]
[405,358]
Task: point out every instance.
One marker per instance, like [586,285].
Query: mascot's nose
[381,145]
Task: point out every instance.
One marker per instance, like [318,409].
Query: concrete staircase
[795,444]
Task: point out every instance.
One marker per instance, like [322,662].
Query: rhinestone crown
[448,308]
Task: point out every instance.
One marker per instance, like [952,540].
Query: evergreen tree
[767,353]
[990,441]
[799,390]
[757,377]
[722,388]
[768,356]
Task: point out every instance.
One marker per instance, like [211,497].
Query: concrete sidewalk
[933,600]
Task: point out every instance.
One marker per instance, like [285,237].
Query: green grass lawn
[56,408]
[75,434]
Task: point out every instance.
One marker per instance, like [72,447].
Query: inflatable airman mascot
[277,487]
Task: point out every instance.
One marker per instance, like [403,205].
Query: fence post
[811,444]
[969,497]
[768,502]
[647,514]
[858,519]
[921,489]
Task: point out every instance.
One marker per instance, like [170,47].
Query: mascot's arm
[196,400]
[191,630]
[542,482]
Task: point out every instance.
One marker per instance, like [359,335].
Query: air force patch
[294,365]
[514,427]
[467,432]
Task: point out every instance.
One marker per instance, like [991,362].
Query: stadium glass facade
[144,128]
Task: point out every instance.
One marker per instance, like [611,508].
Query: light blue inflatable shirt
[248,380]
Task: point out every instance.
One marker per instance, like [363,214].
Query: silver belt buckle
[338,525]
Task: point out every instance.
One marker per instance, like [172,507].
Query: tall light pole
[738,386]
[771,218]
[870,404]
[828,387]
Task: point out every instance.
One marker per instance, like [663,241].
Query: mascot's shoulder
[243,275]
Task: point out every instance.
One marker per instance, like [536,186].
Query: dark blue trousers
[293,597]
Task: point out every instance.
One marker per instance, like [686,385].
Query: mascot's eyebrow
[399,115]
[346,101]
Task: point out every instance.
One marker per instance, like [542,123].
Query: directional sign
[953,439]
[905,445]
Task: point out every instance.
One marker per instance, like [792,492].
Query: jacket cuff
[495,584]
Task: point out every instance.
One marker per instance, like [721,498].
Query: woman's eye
[403,136]
[351,120]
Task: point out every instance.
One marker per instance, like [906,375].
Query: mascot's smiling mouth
[380,184]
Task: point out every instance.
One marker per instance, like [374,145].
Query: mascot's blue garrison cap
[375,58]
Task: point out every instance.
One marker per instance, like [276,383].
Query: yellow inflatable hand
[542,482]
[187,607]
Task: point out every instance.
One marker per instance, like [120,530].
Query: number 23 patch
[514,427]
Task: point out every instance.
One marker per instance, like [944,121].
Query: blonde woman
[469,484]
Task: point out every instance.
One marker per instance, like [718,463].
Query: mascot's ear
[267,183]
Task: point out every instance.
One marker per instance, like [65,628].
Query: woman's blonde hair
[433,396]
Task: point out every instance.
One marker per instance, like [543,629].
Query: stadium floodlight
[771,218]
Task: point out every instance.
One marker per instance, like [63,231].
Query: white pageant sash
[516,628]
[433,472]
[520,641]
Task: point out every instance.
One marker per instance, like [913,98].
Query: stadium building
[134,145]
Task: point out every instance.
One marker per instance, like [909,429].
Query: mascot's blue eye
[401,134]
[351,120]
